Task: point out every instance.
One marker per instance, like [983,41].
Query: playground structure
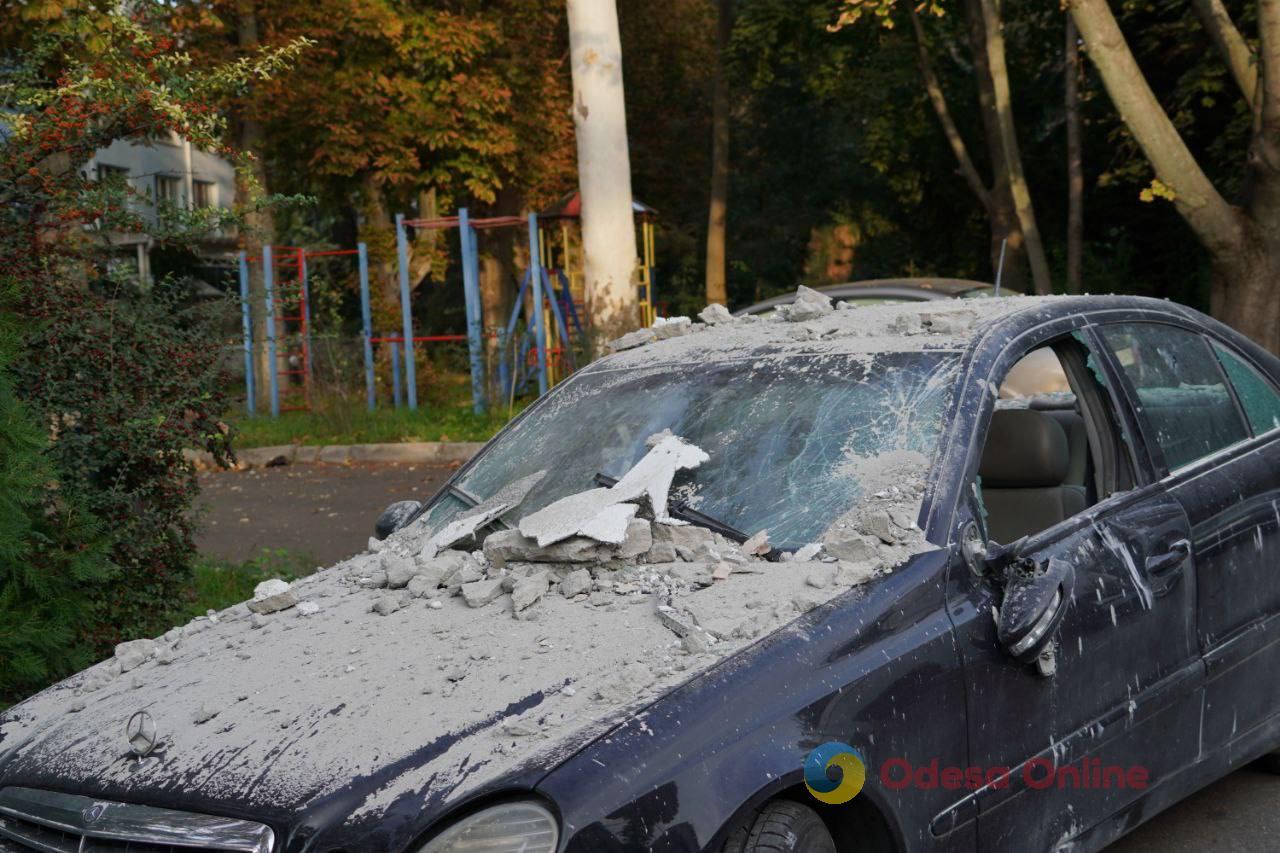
[550,299]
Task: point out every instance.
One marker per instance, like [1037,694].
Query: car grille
[51,822]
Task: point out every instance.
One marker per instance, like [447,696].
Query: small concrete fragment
[845,543]
[386,605]
[575,583]
[807,553]
[631,340]
[400,570]
[482,592]
[715,314]
[134,654]
[758,545]
[809,305]
[821,576]
[528,590]
[274,603]
[308,608]
[266,589]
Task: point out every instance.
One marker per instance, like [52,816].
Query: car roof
[920,289]
[950,324]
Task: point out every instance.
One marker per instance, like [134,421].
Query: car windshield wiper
[680,509]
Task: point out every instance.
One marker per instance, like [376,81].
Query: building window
[108,172]
[169,189]
[202,193]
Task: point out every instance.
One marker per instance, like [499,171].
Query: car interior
[1053,448]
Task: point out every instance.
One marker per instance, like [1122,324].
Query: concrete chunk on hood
[594,513]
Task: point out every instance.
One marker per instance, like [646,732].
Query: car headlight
[509,828]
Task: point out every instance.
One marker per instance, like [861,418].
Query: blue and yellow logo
[853,773]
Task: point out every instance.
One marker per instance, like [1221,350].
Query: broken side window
[780,433]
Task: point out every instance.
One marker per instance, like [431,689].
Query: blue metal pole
[535,273]
[471,296]
[268,285]
[366,315]
[395,373]
[250,389]
[406,311]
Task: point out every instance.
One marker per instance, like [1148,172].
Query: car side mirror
[985,558]
[395,517]
[1035,602]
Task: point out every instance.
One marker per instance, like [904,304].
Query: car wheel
[782,827]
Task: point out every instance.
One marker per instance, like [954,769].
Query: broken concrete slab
[506,546]
[845,543]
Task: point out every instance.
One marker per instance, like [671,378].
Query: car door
[1212,417]
[1119,713]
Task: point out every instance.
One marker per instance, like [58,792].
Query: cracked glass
[780,433]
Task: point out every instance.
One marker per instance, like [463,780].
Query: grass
[218,584]
[356,425]
[444,414]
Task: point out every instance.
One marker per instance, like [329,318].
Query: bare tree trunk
[259,223]
[993,44]
[1075,167]
[426,241]
[377,232]
[1006,231]
[604,168]
[717,289]
[497,277]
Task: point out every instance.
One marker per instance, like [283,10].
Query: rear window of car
[1183,398]
[1257,396]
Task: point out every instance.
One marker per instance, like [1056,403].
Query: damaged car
[971,575]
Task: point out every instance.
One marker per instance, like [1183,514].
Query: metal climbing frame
[287,309]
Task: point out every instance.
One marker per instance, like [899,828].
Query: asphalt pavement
[327,513]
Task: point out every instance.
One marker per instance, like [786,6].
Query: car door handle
[1169,561]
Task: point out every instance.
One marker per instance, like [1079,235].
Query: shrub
[51,550]
[119,382]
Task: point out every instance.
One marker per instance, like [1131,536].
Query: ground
[328,511]
[325,512]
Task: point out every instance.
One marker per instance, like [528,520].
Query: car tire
[782,827]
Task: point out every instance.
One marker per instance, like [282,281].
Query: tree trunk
[1075,167]
[1245,282]
[377,231]
[1001,209]
[259,223]
[993,45]
[717,289]
[497,277]
[604,169]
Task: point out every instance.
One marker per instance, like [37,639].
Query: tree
[1242,239]
[1075,168]
[719,206]
[604,167]
[1007,200]
[120,382]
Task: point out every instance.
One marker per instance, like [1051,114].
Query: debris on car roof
[814,317]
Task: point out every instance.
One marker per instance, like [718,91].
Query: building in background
[172,169]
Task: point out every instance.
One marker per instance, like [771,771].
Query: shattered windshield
[780,433]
